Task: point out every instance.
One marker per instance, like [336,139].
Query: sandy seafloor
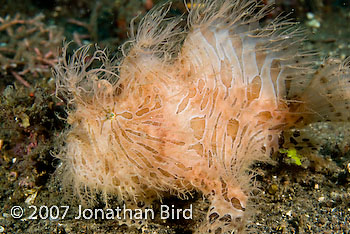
[311,198]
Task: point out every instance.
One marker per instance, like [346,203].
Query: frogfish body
[190,109]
